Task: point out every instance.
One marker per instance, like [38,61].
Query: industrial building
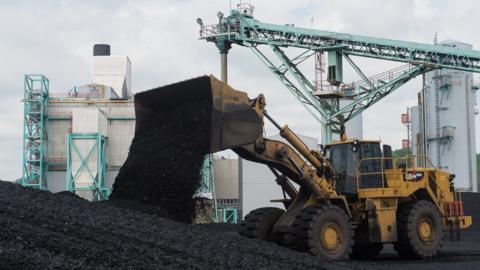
[78,139]
[227,188]
[85,132]
[445,123]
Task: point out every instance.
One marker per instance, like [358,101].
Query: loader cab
[345,157]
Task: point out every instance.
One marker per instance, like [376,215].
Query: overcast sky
[55,38]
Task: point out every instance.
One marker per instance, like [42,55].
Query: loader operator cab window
[345,159]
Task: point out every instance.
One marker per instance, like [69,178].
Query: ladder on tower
[35,135]
[437,120]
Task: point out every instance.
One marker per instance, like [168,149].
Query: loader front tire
[420,230]
[259,223]
[324,231]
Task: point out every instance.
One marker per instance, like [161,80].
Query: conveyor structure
[242,29]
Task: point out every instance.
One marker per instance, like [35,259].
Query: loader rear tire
[259,223]
[420,230]
[324,231]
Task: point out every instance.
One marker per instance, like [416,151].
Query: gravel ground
[464,254]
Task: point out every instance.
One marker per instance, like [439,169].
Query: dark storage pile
[165,159]
[471,206]
[41,230]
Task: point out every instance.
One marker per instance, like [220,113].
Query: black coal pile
[471,204]
[41,230]
[164,162]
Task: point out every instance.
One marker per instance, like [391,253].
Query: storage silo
[416,140]
[354,127]
[450,125]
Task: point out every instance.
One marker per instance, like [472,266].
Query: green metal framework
[229,215]
[242,29]
[207,184]
[98,174]
[35,131]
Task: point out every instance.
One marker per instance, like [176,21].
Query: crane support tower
[35,135]
[241,28]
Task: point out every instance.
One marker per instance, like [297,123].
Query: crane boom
[241,28]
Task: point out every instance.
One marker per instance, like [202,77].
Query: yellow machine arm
[237,123]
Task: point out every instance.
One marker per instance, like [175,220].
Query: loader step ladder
[454,212]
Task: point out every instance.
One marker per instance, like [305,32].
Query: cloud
[161,38]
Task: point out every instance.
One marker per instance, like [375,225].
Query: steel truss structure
[35,131]
[242,29]
[206,186]
[97,173]
[229,215]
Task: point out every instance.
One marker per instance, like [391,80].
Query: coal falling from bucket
[163,167]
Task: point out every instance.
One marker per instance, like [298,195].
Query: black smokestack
[101,50]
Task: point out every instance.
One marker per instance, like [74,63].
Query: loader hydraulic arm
[296,162]
[316,176]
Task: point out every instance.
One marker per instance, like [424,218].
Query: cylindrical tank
[450,125]
[101,50]
[354,127]
[416,140]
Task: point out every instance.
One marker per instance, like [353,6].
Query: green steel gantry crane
[241,28]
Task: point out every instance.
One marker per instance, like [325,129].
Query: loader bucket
[233,121]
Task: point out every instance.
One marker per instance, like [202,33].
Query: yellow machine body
[403,182]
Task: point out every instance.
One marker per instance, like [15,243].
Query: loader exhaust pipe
[233,121]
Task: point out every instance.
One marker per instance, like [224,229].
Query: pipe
[424,123]
[468,90]
[223,67]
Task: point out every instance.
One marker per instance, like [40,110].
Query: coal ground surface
[165,159]
[41,230]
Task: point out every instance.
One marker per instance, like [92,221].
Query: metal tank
[450,125]
[354,127]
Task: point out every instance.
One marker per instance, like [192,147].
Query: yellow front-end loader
[344,200]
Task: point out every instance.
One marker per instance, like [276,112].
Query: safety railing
[216,30]
[405,167]
[377,79]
